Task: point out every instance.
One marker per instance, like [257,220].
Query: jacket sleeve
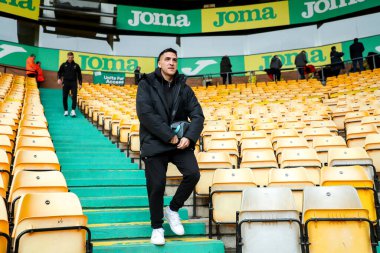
[148,117]
[79,73]
[60,72]
[195,115]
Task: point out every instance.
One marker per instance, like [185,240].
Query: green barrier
[114,78]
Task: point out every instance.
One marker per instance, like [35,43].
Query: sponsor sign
[114,78]
[208,65]
[23,8]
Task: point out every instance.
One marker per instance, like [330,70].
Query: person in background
[226,69]
[336,61]
[40,74]
[300,63]
[68,75]
[31,69]
[137,74]
[356,54]
[275,66]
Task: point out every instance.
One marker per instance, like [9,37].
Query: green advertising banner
[371,44]
[305,11]
[16,54]
[236,18]
[114,78]
[208,65]
[158,20]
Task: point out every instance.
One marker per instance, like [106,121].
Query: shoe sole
[157,244]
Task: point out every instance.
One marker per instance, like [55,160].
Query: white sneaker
[157,237]
[174,221]
[72,113]
[66,113]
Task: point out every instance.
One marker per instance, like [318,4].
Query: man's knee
[194,176]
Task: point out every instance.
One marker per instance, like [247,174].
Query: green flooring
[112,189]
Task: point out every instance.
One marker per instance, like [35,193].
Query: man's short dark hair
[356,40]
[333,48]
[32,55]
[38,62]
[70,54]
[171,50]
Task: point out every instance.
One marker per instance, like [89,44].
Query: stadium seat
[303,157]
[338,116]
[355,135]
[32,132]
[294,178]
[35,160]
[225,195]
[282,133]
[260,162]
[310,133]
[50,222]
[351,156]
[267,127]
[255,145]
[327,123]
[247,135]
[372,146]
[33,124]
[34,143]
[6,145]
[5,240]
[371,120]
[289,143]
[335,221]
[229,146]
[5,168]
[354,118]
[323,144]
[24,182]
[7,130]
[268,222]
[207,132]
[357,177]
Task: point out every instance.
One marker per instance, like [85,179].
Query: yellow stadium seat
[289,143]
[207,132]
[354,118]
[5,240]
[303,157]
[6,145]
[34,143]
[267,127]
[335,221]
[323,144]
[229,146]
[355,135]
[356,177]
[260,162]
[282,133]
[247,135]
[255,144]
[351,156]
[33,124]
[4,168]
[338,116]
[371,120]
[50,222]
[35,160]
[294,178]
[268,222]
[310,133]
[24,182]
[32,132]
[372,146]
[225,195]
[327,123]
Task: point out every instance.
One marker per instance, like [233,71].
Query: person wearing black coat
[160,94]
[226,69]
[336,61]
[275,66]
[356,53]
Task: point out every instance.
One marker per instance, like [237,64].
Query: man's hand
[174,140]
[59,81]
[184,143]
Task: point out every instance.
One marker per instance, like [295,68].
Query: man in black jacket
[68,75]
[356,53]
[163,98]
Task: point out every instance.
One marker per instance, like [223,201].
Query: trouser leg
[361,64]
[224,77]
[74,90]
[155,173]
[65,95]
[354,65]
[187,164]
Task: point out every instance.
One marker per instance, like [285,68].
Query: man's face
[70,58]
[168,63]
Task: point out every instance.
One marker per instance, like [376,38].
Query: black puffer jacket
[155,116]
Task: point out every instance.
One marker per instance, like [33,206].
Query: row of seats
[333,220]
[38,213]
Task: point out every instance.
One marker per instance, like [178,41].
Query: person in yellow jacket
[31,69]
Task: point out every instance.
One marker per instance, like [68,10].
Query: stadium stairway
[112,189]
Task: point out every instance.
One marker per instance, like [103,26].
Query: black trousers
[155,173]
[301,70]
[67,87]
[226,76]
